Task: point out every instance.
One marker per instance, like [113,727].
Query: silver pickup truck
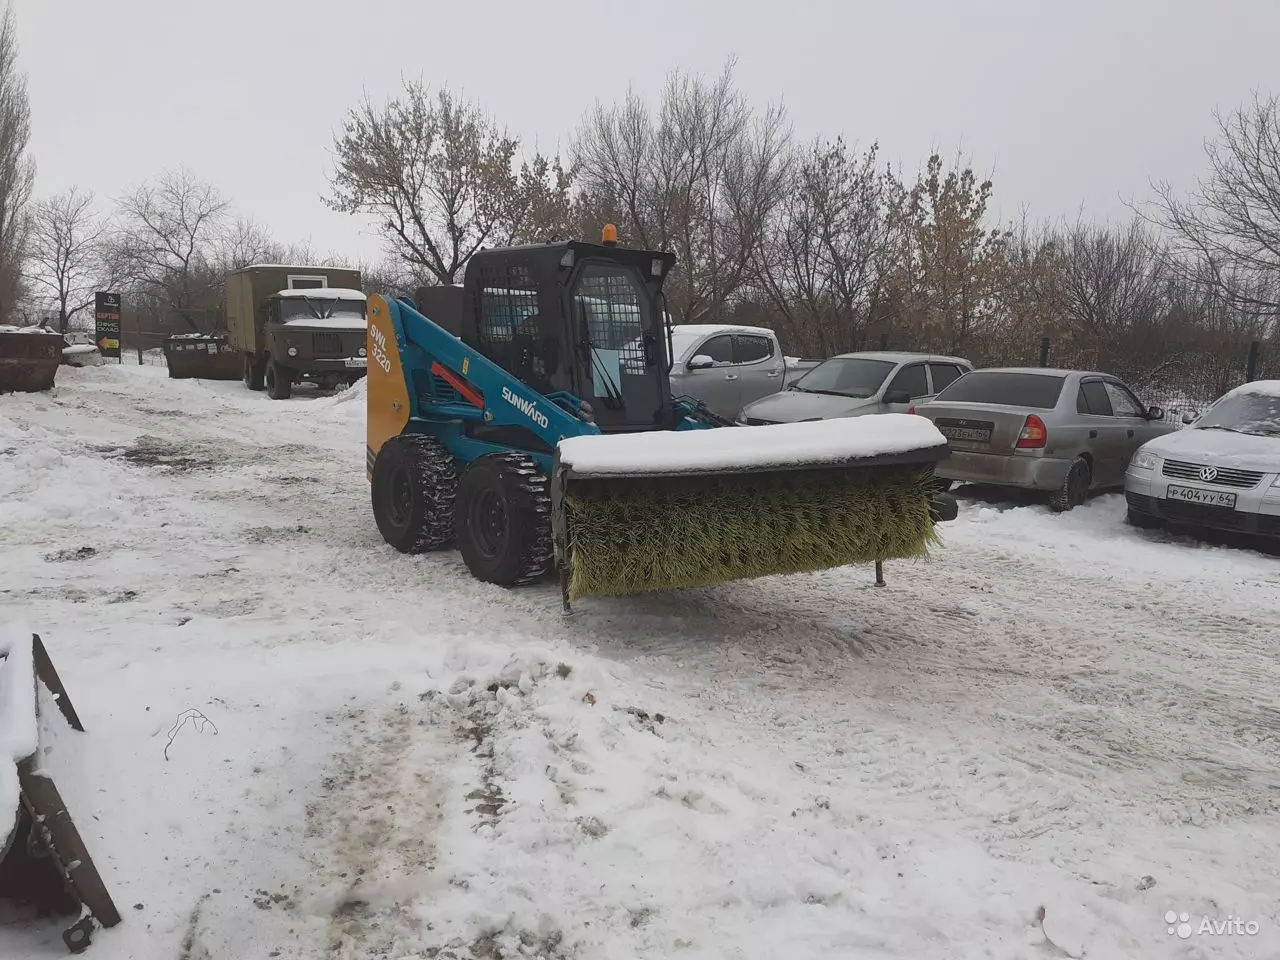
[728,366]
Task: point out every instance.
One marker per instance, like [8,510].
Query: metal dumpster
[204,356]
[29,361]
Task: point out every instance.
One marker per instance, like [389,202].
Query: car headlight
[293,351]
[1144,461]
[361,351]
[1276,481]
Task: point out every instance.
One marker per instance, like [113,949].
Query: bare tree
[64,254]
[820,262]
[167,245]
[17,170]
[246,242]
[1111,278]
[439,176]
[701,177]
[1227,231]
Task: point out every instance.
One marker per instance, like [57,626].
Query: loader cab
[577,317]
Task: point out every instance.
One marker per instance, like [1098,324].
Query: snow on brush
[302,744]
[746,448]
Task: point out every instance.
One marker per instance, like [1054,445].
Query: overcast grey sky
[1065,103]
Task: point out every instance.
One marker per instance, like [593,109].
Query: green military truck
[292,324]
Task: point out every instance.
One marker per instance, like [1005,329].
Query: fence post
[1251,371]
[884,341]
[1044,351]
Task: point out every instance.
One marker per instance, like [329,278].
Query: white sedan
[1223,472]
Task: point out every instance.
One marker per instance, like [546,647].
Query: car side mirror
[701,362]
[1189,417]
[1155,413]
[897,396]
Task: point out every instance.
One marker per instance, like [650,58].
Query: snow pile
[595,824]
[8,328]
[82,355]
[777,445]
[19,735]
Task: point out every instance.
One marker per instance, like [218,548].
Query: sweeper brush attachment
[633,513]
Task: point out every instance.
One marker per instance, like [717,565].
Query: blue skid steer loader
[526,416]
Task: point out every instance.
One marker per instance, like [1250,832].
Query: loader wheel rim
[488,519]
[400,501]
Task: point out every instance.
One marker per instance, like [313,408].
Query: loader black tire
[414,484]
[503,519]
[253,373]
[278,381]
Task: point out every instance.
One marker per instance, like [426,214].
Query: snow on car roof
[699,329]
[321,293]
[1268,388]
[898,356]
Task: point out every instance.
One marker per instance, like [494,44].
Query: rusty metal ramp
[44,862]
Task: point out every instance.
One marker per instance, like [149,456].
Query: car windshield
[846,377]
[319,308]
[1251,412]
[1007,389]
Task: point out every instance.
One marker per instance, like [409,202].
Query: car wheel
[1143,521]
[1075,487]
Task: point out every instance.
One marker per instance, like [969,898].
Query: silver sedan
[1066,432]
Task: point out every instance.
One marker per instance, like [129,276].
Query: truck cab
[296,324]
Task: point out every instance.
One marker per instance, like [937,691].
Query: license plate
[1210,498]
[357,361]
[966,433]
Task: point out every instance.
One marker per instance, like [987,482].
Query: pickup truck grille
[326,346]
[1222,476]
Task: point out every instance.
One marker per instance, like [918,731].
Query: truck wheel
[253,373]
[278,381]
[1075,487]
[503,519]
[414,483]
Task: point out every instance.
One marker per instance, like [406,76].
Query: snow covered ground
[1032,745]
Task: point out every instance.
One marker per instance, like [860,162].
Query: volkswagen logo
[1208,474]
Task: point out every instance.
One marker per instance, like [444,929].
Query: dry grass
[630,535]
